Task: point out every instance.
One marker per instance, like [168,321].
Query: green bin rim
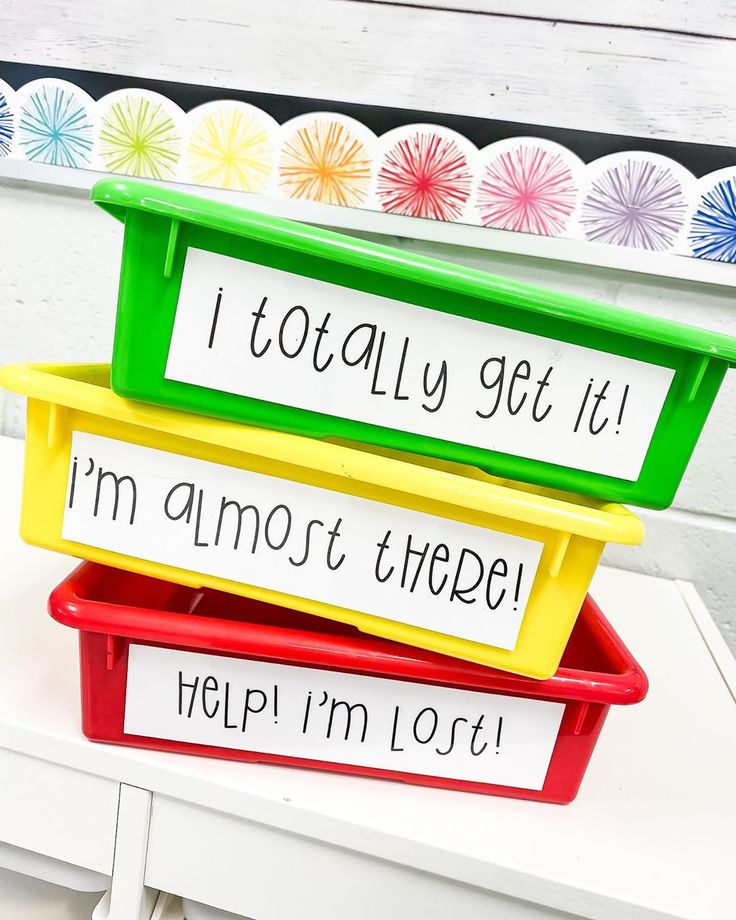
[117,196]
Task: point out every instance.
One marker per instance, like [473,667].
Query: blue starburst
[55,128]
[6,126]
[713,227]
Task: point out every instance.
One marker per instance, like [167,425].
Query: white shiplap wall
[646,67]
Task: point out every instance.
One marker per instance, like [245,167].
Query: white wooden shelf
[648,838]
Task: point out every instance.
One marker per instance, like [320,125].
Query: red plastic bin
[201,672]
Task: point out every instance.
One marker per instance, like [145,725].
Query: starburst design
[55,128]
[138,137]
[326,162]
[527,189]
[230,148]
[425,175]
[6,125]
[637,203]
[713,227]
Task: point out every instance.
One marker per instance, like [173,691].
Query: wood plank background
[705,18]
[486,62]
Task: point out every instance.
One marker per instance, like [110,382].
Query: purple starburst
[637,203]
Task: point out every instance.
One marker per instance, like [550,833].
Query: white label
[341,718]
[261,332]
[339,549]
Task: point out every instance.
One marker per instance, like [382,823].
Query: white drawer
[267,874]
[58,811]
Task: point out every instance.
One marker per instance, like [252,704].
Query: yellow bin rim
[85,387]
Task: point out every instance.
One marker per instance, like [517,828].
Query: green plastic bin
[242,316]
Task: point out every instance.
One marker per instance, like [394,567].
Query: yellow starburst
[230,148]
[326,162]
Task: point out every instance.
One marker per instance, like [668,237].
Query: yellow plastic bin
[432,554]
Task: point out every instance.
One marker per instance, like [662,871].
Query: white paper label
[255,529]
[265,333]
[340,718]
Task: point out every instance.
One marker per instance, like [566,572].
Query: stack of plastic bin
[292,493]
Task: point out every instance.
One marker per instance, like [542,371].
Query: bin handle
[558,551]
[54,432]
[171,248]
[700,368]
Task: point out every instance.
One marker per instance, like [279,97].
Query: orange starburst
[324,161]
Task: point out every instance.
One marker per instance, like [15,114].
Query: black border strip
[699,159]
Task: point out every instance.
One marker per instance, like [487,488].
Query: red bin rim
[85,600]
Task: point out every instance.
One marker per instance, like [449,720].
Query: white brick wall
[57,303]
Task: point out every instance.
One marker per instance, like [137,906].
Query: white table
[649,836]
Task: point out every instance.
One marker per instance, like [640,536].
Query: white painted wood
[55,871]
[602,79]
[130,899]
[722,657]
[168,907]
[56,811]
[264,874]
[25,898]
[660,781]
[102,909]
[715,18]
[195,910]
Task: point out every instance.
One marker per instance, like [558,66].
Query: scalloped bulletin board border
[609,192]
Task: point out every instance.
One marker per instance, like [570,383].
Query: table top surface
[649,836]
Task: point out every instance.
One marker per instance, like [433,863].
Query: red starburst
[425,175]
[527,189]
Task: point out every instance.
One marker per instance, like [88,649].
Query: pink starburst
[425,175]
[527,189]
